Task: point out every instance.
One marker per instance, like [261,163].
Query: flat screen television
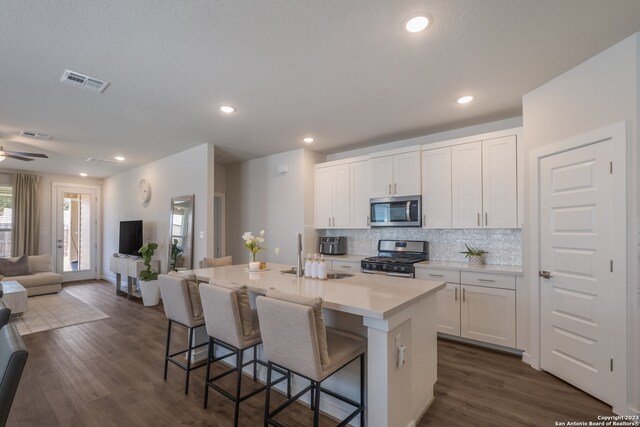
[130,237]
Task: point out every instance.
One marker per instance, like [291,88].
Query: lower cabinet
[488,314]
[481,313]
[344,266]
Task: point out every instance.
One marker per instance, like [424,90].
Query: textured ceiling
[344,72]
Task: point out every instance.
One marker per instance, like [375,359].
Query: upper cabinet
[499,182]
[332,196]
[436,188]
[360,191]
[395,174]
[471,184]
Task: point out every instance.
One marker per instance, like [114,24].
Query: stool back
[289,335]
[5,313]
[176,300]
[13,358]
[222,314]
[217,262]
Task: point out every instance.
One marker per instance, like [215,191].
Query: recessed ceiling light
[227,109]
[83,174]
[308,140]
[417,24]
[119,158]
[465,99]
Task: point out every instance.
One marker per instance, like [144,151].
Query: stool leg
[255,363]
[316,411]
[186,384]
[166,350]
[239,357]
[312,401]
[268,395]
[362,389]
[208,374]
[288,384]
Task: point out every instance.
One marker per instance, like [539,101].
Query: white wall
[434,137]
[258,198]
[187,172]
[601,91]
[46,185]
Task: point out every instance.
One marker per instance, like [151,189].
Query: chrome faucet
[299,267]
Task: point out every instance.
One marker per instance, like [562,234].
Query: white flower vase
[476,259]
[150,291]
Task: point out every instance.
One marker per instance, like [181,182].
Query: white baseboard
[526,358]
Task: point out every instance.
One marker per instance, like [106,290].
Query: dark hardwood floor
[109,373]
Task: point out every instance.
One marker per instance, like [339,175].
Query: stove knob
[395,268]
[385,267]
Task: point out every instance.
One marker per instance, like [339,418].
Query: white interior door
[578,299]
[75,223]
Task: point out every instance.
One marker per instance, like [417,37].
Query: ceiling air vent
[106,161]
[36,135]
[82,81]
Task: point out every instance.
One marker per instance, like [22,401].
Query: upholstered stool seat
[295,339]
[181,301]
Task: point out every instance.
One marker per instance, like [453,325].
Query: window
[6,212]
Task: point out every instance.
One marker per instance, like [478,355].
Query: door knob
[545,274]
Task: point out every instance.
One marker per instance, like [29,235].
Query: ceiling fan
[20,155]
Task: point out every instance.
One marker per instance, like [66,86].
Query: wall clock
[144,191]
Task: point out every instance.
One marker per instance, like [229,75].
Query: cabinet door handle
[456,297]
[389,189]
[329,221]
[345,266]
[368,221]
[486,218]
[424,219]
[436,275]
[395,188]
[486,280]
[334,221]
[478,219]
[464,294]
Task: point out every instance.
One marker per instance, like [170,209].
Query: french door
[75,223]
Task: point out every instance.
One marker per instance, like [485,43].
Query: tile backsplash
[504,245]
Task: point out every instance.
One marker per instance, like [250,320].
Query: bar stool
[233,325]
[181,301]
[290,322]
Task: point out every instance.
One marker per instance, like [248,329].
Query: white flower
[277,251]
[262,232]
[259,240]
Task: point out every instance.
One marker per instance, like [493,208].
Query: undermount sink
[329,275]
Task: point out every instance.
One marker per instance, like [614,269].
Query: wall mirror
[181,233]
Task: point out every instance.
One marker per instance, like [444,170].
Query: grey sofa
[43,280]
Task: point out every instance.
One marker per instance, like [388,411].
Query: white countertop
[448,265]
[368,295]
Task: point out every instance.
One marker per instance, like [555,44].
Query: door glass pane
[76,214]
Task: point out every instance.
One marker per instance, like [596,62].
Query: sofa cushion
[38,279]
[19,267]
[40,263]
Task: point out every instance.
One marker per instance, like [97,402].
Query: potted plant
[254,244]
[175,253]
[475,256]
[148,279]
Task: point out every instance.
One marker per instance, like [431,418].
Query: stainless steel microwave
[396,211]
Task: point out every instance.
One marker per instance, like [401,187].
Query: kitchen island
[391,312]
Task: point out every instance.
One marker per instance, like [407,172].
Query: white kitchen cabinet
[485,313]
[499,182]
[345,266]
[332,196]
[488,315]
[396,175]
[436,188]
[484,184]
[360,194]
[466,185]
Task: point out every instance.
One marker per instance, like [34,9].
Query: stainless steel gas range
[396,258]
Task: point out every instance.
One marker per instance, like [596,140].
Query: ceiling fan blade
[13,156]
[21,153]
